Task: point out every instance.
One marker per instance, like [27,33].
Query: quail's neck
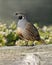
[22,23]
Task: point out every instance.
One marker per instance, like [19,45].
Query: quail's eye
[20,17]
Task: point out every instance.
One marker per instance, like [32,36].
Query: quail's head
[20,16]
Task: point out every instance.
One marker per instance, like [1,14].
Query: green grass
[8,36]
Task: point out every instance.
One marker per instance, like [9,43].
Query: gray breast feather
[22,23]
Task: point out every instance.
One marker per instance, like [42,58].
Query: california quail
[25,29]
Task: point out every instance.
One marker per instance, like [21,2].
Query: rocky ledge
[36,55]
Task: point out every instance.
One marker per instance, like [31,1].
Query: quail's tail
[42,41]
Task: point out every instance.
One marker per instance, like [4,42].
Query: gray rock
[37,55]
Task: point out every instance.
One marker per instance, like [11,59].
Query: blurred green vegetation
[8,36]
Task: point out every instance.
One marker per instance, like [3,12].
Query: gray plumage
[28,30]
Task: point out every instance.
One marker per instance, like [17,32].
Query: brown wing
[31,33]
